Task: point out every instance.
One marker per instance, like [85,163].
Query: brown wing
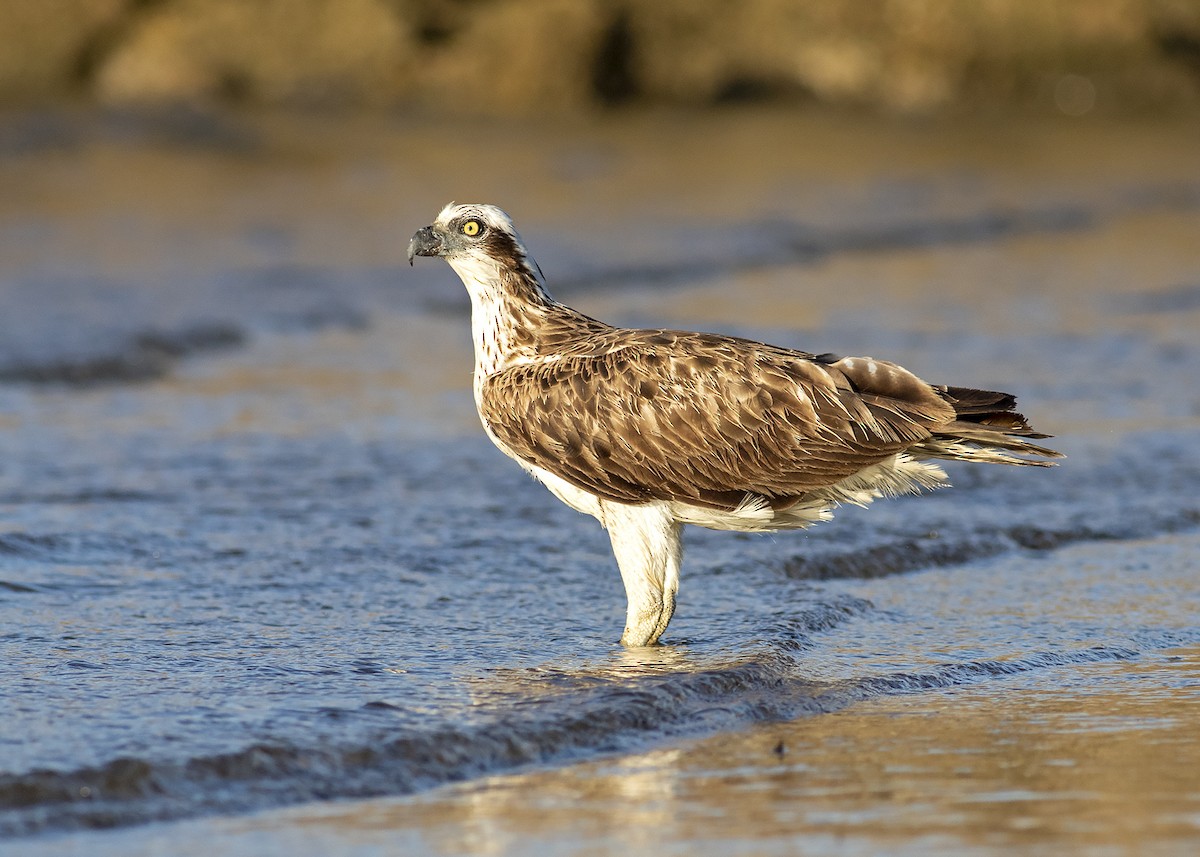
[704,418]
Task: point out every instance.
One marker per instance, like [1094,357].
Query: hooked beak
[425,242]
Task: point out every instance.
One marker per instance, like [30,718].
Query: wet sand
[1088,758]
[1102,763]
[234,422]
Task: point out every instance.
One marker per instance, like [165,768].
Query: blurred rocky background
[537,56]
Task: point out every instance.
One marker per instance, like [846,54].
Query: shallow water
[964,770]
[255,553]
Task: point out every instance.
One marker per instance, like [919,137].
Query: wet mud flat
[1090,756]
[255,554]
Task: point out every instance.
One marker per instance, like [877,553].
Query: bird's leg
[646,541]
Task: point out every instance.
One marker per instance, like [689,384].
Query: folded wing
[707,419]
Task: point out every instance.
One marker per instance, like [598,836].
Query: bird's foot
[648,625]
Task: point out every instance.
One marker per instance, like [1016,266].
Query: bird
[648,430]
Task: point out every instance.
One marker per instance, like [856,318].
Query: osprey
[647,430]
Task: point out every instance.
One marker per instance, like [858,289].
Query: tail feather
[988,429]
[969,401]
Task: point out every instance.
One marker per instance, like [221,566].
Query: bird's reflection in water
[621,670]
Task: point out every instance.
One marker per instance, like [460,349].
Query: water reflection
[980,769]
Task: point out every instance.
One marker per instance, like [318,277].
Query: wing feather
[705,418]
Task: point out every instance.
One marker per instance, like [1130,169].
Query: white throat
[498,319]
[481,276]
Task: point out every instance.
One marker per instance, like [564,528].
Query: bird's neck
[509,310]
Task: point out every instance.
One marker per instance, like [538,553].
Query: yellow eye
[471,228]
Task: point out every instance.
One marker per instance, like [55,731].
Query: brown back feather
[632,415]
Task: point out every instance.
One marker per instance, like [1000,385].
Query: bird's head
[474,239]
[484,249]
